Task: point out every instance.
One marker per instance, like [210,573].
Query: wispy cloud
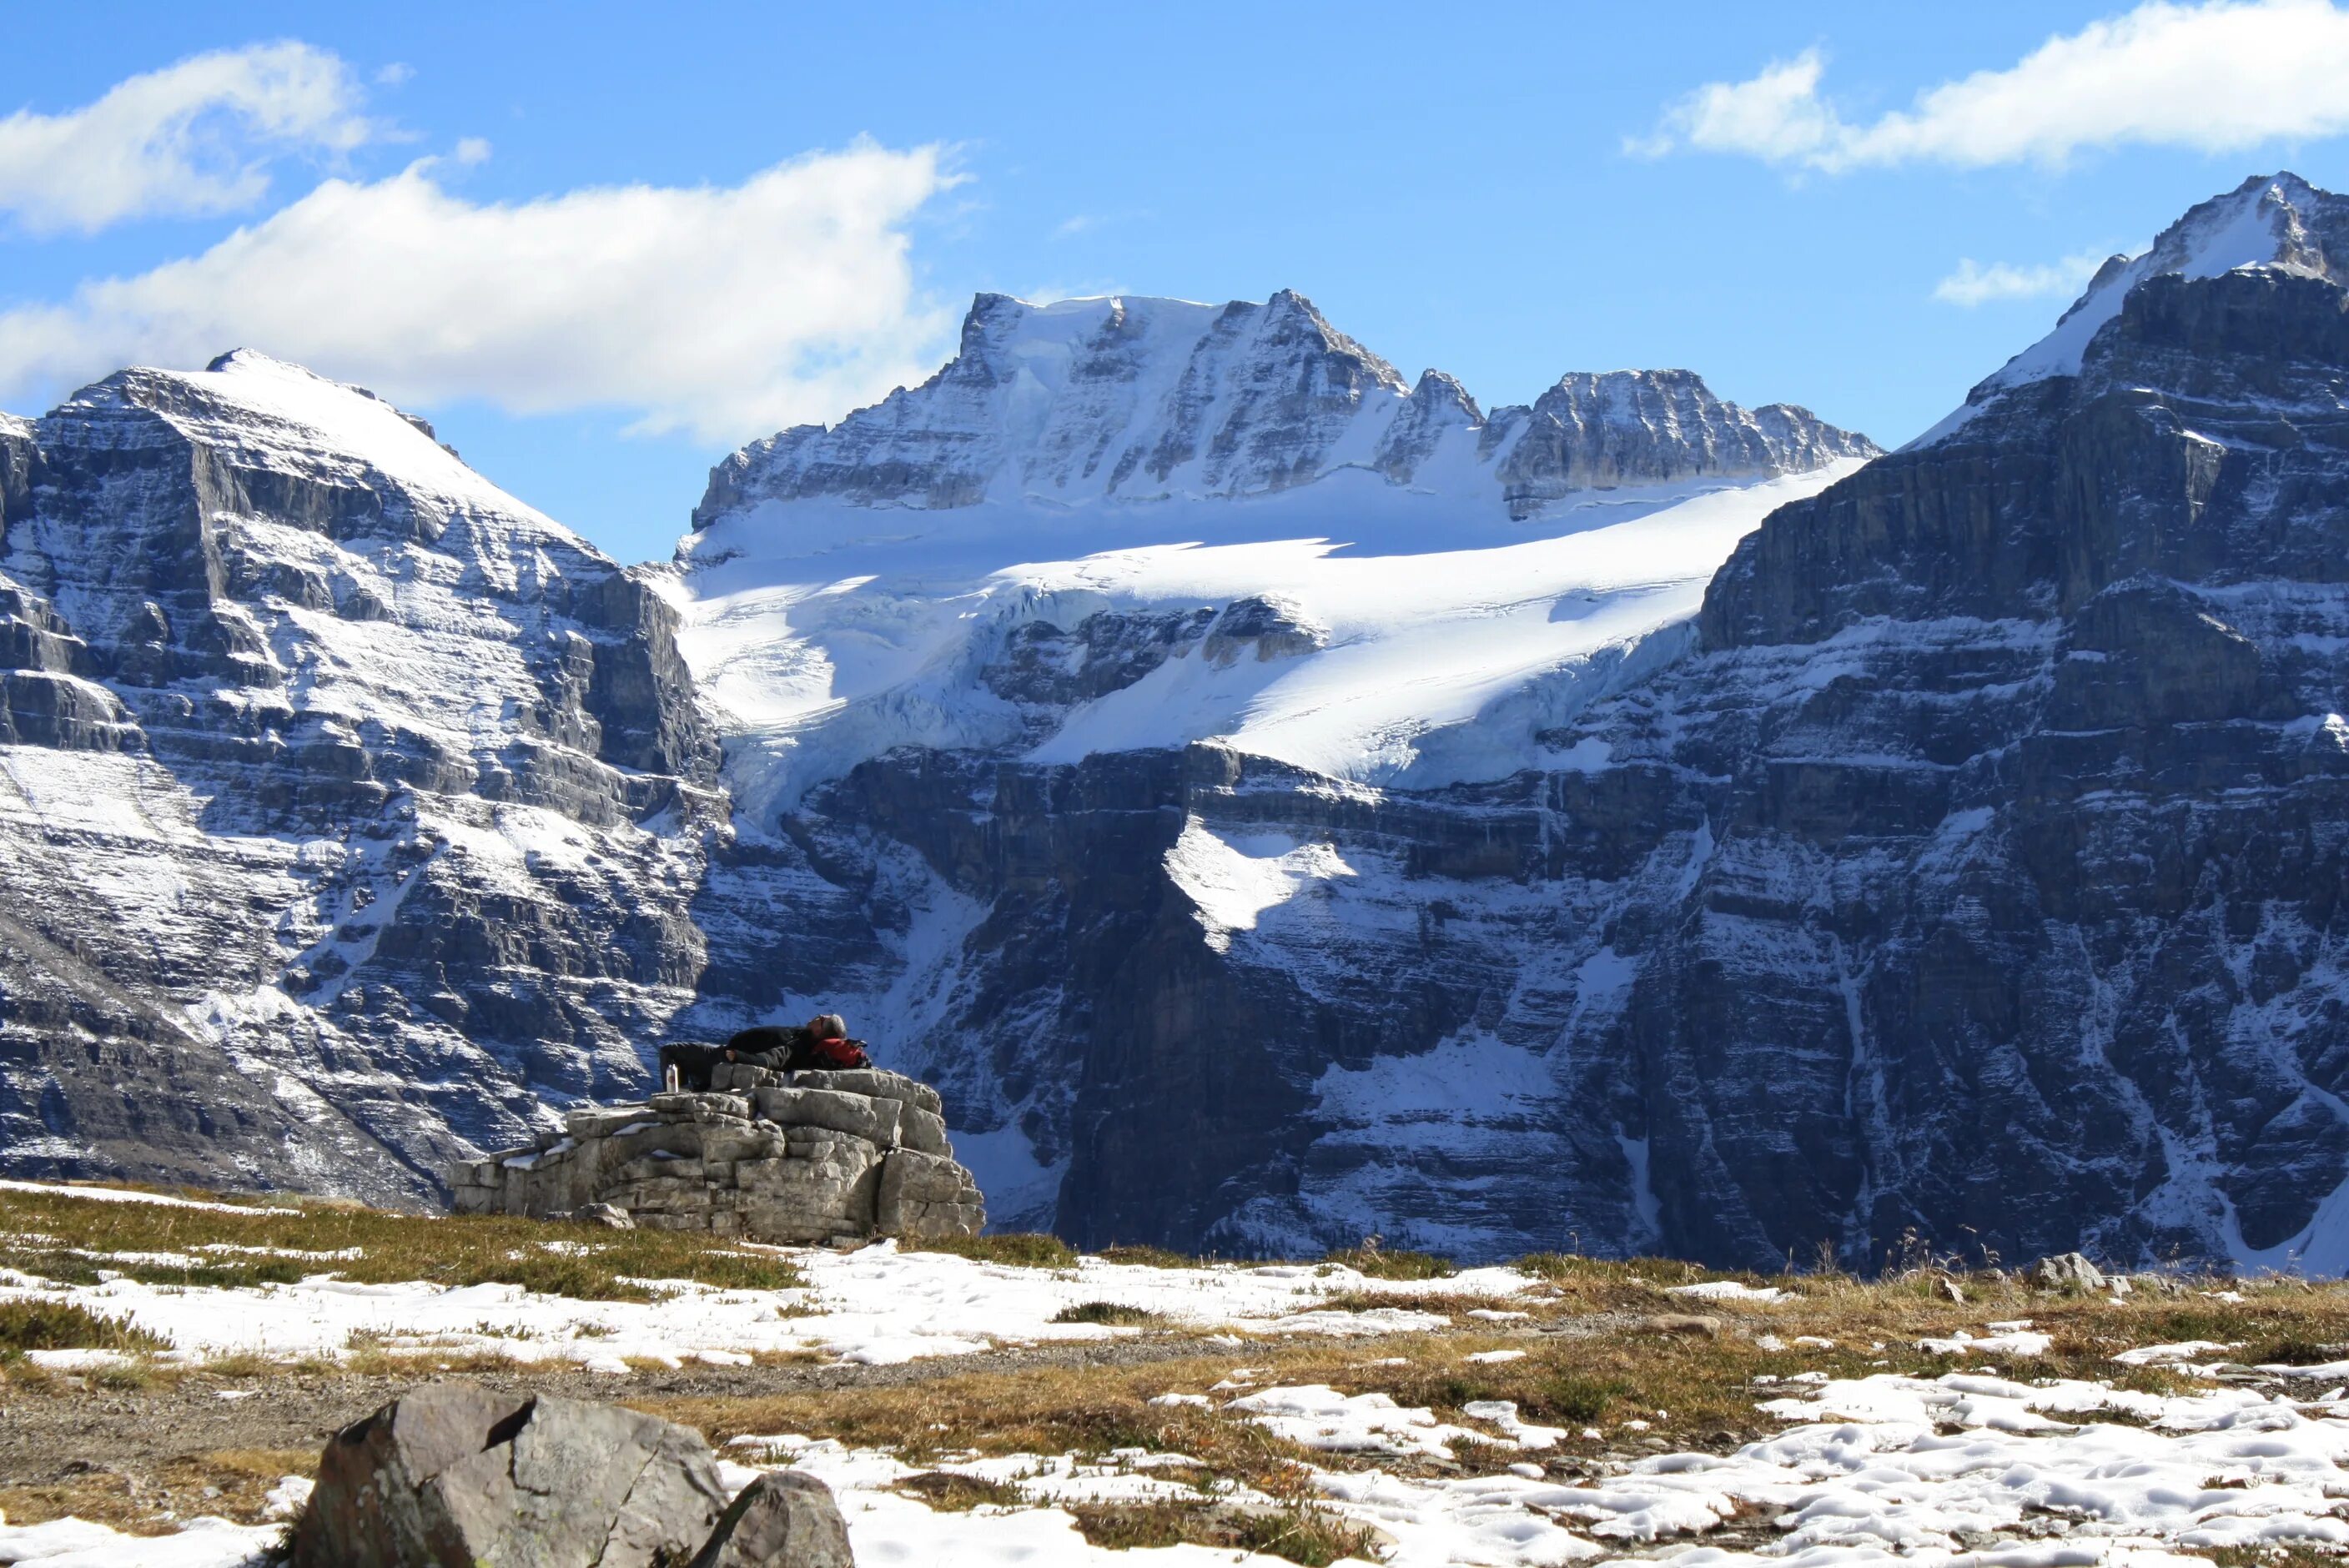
[194,138]
[1972,283]
[728,311]
[1076,224]
[2213,78]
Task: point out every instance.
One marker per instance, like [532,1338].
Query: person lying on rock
[820,1044]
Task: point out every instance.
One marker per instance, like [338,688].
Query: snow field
[826,633]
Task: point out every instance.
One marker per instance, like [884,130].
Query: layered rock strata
[349,808]
[809,1157]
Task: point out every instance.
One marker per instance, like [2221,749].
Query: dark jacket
[782,1049]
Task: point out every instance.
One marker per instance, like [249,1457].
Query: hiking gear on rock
[691,1063]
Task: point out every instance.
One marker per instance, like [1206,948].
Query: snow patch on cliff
[1235,878]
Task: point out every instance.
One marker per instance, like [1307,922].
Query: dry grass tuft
[1300,1533]
[1154,1257]
[32,1324]
[950,1493]
[1021,1248]
[1109,1311]
[1378,1263]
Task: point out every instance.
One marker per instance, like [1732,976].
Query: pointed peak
[273,410]
[1441,386]
[2276,220]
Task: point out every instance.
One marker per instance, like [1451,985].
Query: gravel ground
[47,1435]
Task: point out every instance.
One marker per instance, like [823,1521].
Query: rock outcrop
[782,1520]
[809,1157]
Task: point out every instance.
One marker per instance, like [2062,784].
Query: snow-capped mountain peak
[2277,221]
[281,417]
[1136,400]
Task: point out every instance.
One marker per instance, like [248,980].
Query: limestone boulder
[782,1520]
[858,1115]
[452,1475]
[2068,1272]
[927,1195]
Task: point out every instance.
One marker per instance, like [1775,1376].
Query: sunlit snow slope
[1395,563]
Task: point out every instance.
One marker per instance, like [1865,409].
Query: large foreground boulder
[454,1475]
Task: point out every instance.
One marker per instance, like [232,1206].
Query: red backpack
[839,1054]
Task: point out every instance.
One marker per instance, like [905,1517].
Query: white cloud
[193,138]
[1973,283]
[472,149]
[728,311]
[2213,78]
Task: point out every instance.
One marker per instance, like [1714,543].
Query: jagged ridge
[1139,399]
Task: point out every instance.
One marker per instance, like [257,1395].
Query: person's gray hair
[828,1027]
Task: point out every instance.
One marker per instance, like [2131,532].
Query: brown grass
[1300,1533]
[1154,1257]
[585,1263]
[1044,1411]
[1380,1263]
[232,1483]
[1021,1248]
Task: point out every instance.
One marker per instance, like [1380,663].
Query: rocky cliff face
[2025,800]
[1146,855]
[1970,862]
[349,809]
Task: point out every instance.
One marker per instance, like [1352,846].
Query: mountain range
[1276,801]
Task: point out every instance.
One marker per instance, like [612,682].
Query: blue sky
[1506,192]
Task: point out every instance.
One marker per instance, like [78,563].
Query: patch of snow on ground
[875,1306]
[1318,1417]
[77,1543]
[1728,1290]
